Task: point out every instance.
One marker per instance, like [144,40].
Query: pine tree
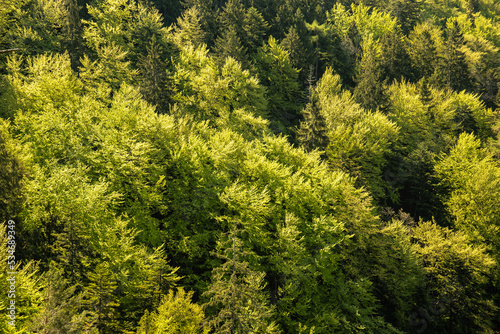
[229,45]
[11,175]
[455,68]
[395,61]
[236,291]
[407,13]
[281,79]
[156,83]
[370,90]
[73,33]
[312,131]
[101,301]
[422,47]
[59,305]
[425,92]
[189,29]
[248,24]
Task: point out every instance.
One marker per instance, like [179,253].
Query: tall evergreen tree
[281,79]
[312,131]
[370,90]
[100,299]
[11,175]
[189,29]
[423,43]
[236,291]
[455,68]
[395,61]
[229,45]
[59,305]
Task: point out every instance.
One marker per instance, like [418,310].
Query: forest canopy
[239,166]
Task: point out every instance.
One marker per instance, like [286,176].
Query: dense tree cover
[246,166]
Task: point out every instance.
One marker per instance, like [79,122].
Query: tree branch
[9,50]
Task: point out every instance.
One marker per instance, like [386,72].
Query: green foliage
[358,140]
[129,143]
[471,175]
[312,131]
[280,77]
[228,97]
[236,290]
[370,90]
[59,305]
[424,43]
[457,272]
[22,287]
[248,23]
[176,314]
[455,69]
[189,29]
[11,174]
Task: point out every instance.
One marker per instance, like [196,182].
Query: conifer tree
[423,43]
[229,45]
[248,24]
[59,305]
[370,90]
[407,12]
[425,92]
[236,291]
[100,299]
[455,67]
[312,131]
[281,79]
[189,29]
[395,61]
[11,175]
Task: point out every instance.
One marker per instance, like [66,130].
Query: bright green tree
[176,314]
[457,274]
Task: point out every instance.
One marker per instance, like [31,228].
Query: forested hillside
[286,166]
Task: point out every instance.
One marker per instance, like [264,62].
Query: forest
[249,166]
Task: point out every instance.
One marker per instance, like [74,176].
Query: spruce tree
[236,291]
[11,175]
[455,68]
[189,29]
[229,45]
[100,300]
[370,91]
[395,61]
[422,47]
[312,131]
[59,305]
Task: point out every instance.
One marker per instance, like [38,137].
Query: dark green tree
[277,74]
[456,74]
[407,12]
[312,131]
[395,61]
[370,89]
[11,174]
[236,292]
[101,301]
[229,45]
[423,43]
[59,307]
